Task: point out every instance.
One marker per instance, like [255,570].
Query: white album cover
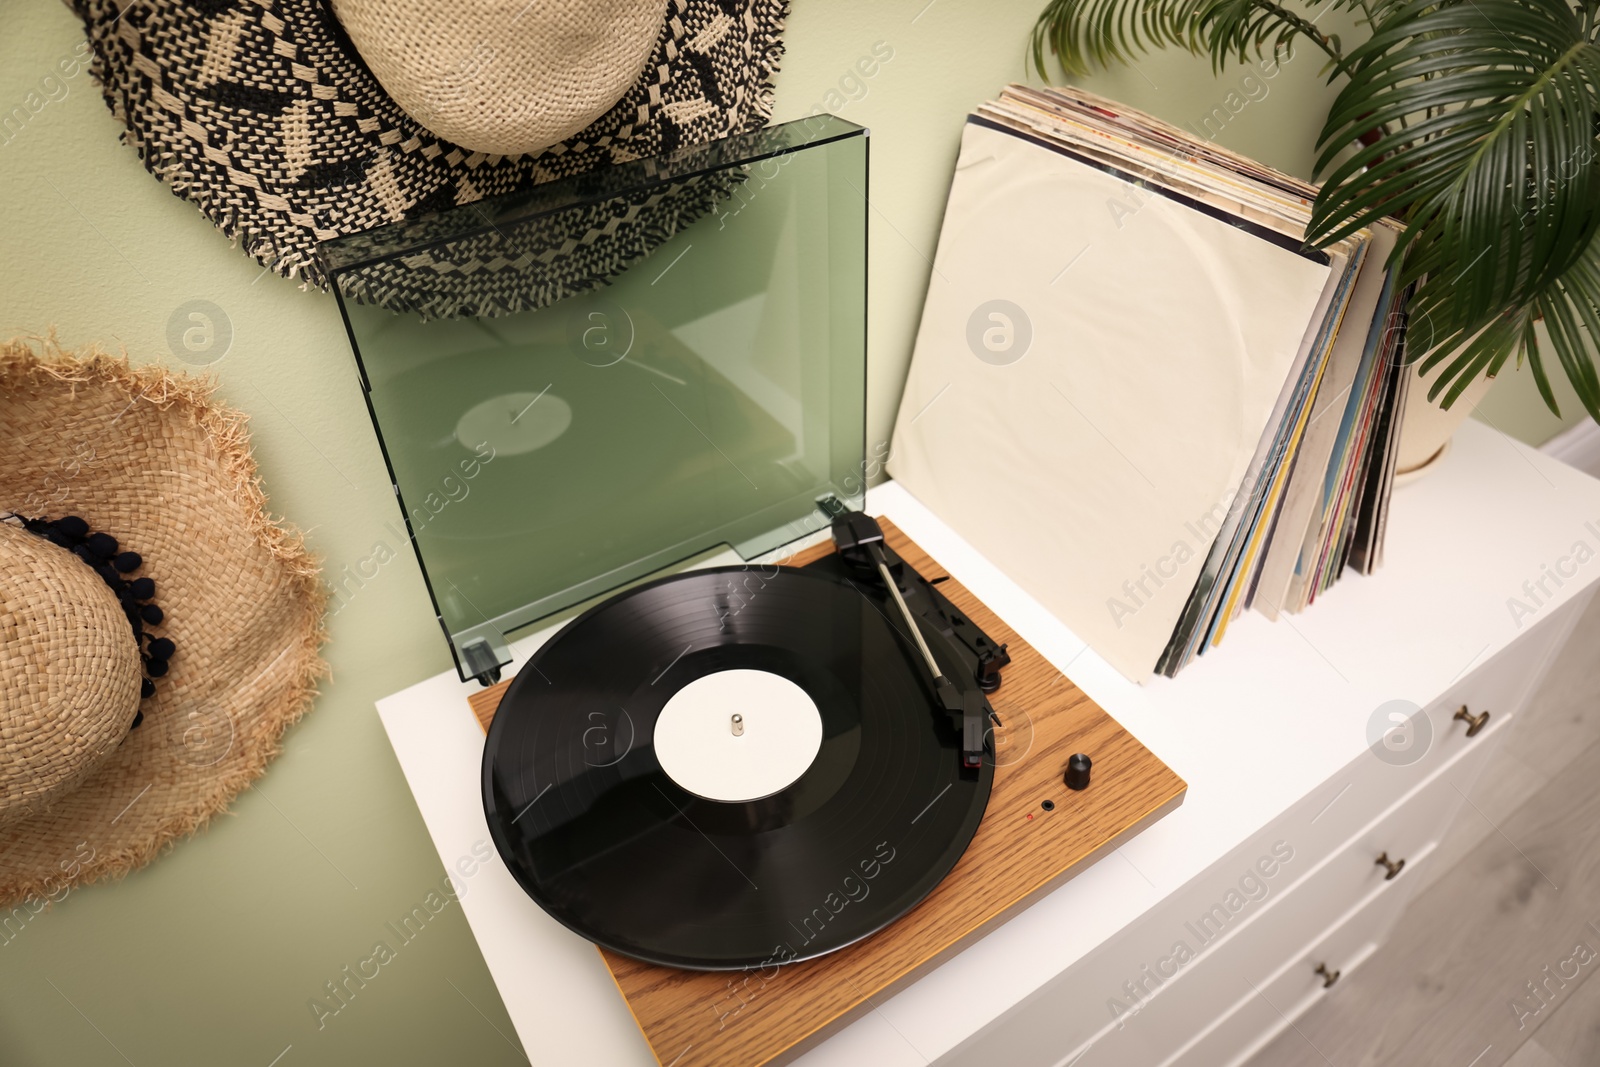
[1094,369]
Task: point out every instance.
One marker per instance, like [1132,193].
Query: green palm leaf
[1485,113]
[1083,34]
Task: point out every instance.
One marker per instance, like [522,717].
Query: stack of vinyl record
[1171,409]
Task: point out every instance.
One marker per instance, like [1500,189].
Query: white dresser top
[1252,727]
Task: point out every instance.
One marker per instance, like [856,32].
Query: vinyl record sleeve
[1304,495]
[1174,162]
[1096,362]
[1233,557]
[1320,564]
[1079,106]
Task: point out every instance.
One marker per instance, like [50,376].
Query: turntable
[759,748]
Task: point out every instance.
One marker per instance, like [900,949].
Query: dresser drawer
[1160,1014]
[1262,1013]
[1145,994]
[1395,765]
[1370,784]
[1075,1008]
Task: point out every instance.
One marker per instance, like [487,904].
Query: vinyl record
[620,851]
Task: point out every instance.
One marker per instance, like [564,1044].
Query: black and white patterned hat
[265,116]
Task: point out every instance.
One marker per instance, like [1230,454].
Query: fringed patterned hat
[290,122]
[158,630]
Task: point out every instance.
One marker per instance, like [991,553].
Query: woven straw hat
[290,122]
[96,779]
[560,65]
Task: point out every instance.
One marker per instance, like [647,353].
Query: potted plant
[1474,122]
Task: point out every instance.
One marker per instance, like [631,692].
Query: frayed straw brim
[268,121]
[149,457]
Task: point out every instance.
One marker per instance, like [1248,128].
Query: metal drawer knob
[1394,867]
[1474,722]
[1328,977]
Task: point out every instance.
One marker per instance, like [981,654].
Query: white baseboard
[1577,447]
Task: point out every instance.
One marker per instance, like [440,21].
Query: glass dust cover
[579,384]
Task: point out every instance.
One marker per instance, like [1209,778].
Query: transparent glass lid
[584,383]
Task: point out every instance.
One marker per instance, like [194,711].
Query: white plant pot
[1425,434]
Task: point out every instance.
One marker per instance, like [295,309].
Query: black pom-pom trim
[73,527]
[100,551]
[102,545]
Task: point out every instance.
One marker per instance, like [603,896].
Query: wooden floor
[1494,960]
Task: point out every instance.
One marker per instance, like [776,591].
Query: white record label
[705,751]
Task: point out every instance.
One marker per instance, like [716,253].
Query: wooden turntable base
[770,1015]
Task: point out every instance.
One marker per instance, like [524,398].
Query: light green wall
[210,955]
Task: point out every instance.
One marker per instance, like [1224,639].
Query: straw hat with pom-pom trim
[95,779]
[71,673]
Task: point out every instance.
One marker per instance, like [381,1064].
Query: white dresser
[1202,938]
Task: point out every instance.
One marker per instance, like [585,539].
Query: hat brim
[280,135]
[151,458]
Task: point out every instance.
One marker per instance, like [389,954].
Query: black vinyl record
[605,841]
